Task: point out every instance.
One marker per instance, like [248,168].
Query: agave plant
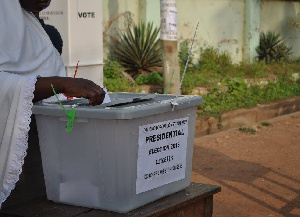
[272,48]
[138,49]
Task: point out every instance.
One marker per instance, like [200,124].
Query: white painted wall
[222,22]
[113,18]
[275,16]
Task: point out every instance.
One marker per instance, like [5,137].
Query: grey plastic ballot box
[120,155]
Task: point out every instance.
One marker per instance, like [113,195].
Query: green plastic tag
[70,115]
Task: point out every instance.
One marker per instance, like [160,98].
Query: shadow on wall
[291,35]
[113,8]
[224,170]
[110,26]
[118,21]
[227,33]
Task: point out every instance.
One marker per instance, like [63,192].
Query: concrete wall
[117,7]
[275,16]
[115,17]
[222,22]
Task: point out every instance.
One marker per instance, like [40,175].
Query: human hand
[79,87]
[74,87]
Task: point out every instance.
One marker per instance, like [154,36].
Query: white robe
[25,53]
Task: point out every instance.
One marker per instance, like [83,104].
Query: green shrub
[114,81]
[265,124]
[213,59]
[153,78]
[111,69]
[184,49]
[272,47]
[198,78]
[254,70]
[138,49]
[247,130]
[239,96]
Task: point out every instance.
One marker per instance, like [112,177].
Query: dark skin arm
[74,87]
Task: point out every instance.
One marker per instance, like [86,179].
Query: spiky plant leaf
[138,49]
[272,47]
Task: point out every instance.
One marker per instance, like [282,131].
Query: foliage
[266,124]
[272,48]
[213,59]
[217,67]
[247,130]
[254,70]
[114,81]
[241,96]
[153,78]
[227,87]
[194,79]
[112,69]
[209,78]
[184,49]
[138,49]
[117,22]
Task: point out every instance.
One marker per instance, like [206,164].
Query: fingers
[79,87]
[96,94]
[96,99]
[100,96]
[91,95]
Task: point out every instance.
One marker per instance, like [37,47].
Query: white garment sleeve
[25,52]
[16,95]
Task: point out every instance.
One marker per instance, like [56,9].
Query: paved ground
[259,173]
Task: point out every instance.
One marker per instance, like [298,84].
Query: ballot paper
[107,98]
[52,100]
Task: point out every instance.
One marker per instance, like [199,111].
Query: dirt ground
[259,173]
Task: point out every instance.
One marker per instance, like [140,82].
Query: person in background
[29,64]
[52,32]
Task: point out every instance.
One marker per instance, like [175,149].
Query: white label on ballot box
[162,154]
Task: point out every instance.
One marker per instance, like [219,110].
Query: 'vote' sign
[86,14]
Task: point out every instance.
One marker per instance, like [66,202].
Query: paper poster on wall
[161,154]
[168,14]
[171,20]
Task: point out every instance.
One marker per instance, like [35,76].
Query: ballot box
[119,155]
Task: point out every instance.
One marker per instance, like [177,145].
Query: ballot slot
[116,100]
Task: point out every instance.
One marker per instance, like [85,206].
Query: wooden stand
[194,201]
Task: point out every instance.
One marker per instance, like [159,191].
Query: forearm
[74,87]
[43,88]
